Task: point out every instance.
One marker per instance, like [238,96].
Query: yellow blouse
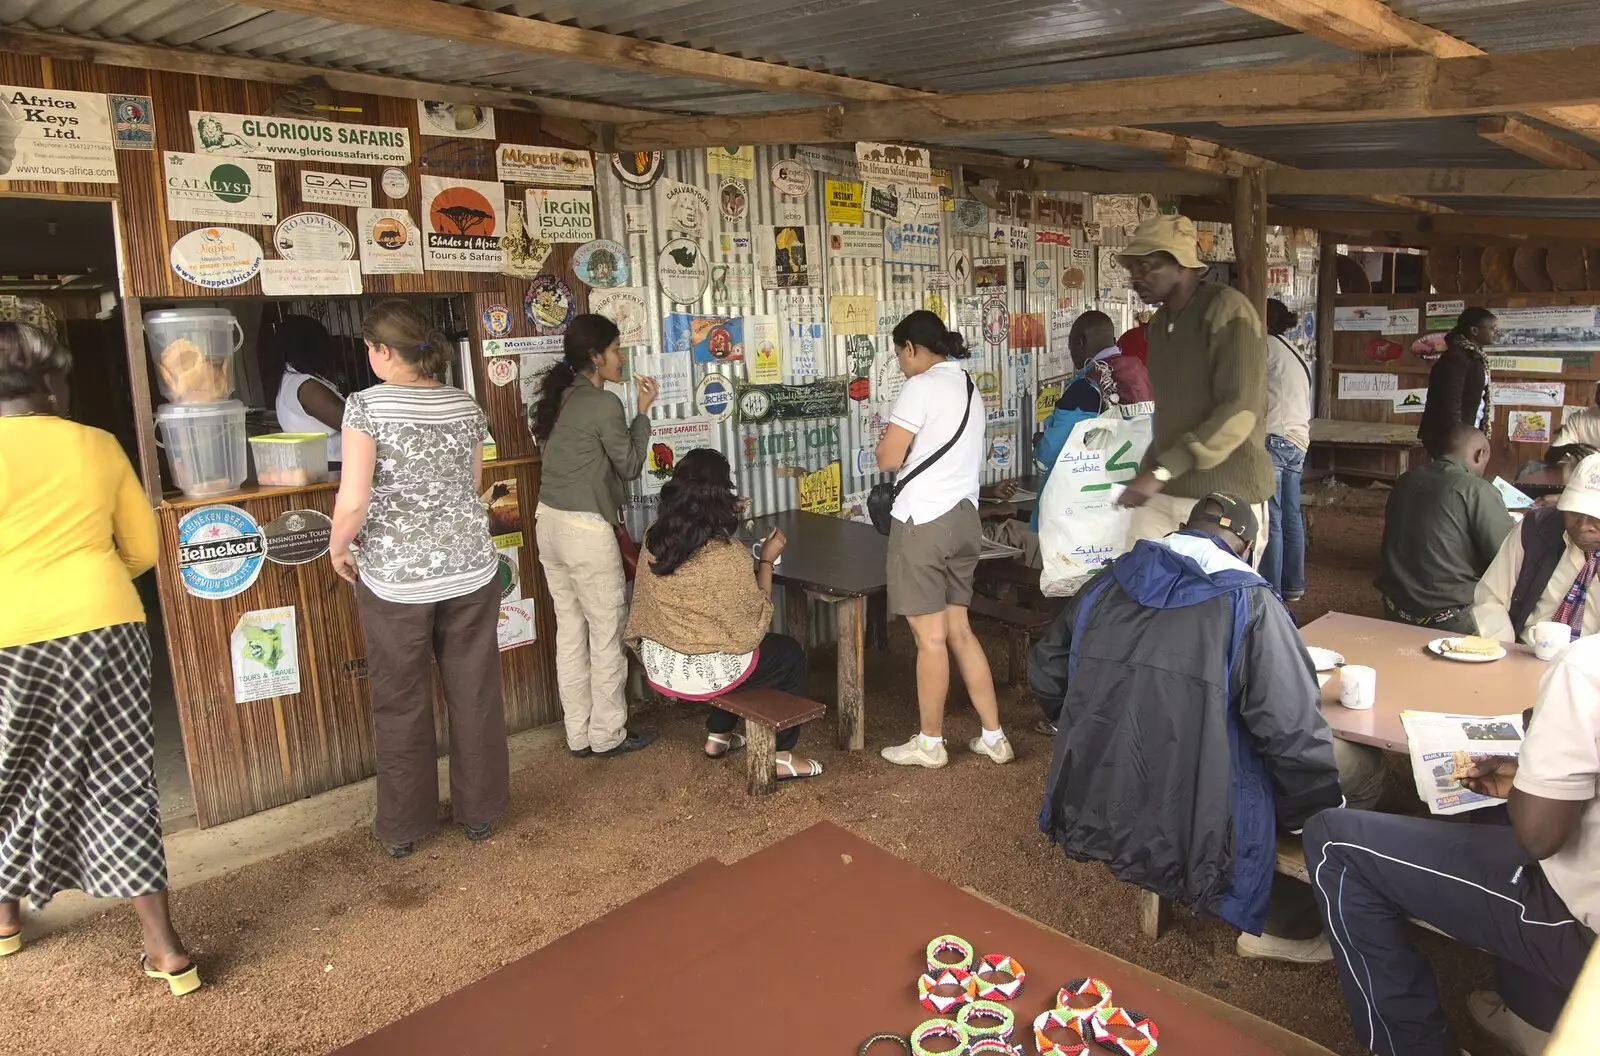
[75,528]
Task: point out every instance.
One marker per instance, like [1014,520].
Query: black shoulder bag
[880,500]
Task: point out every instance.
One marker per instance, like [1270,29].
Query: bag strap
[948,444]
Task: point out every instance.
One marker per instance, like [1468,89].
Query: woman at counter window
[424,573]
[307,402]
[590,452]
[78,806]
[700,616]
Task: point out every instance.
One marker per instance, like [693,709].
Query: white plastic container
[290,459]
[205,445]
[193,350]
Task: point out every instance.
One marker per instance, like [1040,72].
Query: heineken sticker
[220,551]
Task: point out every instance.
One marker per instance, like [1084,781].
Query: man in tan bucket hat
[1208,369]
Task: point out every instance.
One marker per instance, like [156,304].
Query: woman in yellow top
[78,802]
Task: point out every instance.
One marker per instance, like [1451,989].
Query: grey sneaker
[1295,951]
[1491,1013]
[999,752]
[913,754]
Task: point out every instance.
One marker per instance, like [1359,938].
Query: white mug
[1358,687]
[1550,638]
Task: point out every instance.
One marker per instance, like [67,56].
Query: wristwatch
[1161,473]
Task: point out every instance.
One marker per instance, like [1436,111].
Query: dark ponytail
[413,337]
[927,330]
[1280,320]
[586,339]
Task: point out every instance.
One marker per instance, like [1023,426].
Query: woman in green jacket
[590,451]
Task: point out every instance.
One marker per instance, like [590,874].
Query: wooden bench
[1289,861]
[1021,625]
[765,712]
[1015,581]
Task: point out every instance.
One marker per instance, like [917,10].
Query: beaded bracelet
[898,1039]
[1143,1041]
[1084,987]
[943,1003]
[992,1047]
[938,1028]
[950,944]
[988,1010]
[994,991]
[1051,1019]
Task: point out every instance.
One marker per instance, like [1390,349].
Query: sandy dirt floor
[321,946]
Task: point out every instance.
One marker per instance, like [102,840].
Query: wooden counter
[247,757]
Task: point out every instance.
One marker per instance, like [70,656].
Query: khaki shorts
[931,565]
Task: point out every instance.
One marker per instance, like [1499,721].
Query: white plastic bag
[1081,527]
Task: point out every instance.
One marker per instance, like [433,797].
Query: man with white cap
[1208,368]
[1546,568]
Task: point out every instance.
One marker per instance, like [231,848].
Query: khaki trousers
[1165,514]
[403,642]
[583,568]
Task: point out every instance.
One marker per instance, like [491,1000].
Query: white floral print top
[426,537]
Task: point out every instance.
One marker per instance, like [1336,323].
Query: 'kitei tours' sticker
[220,551]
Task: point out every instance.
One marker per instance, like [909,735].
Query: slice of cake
[1471,645]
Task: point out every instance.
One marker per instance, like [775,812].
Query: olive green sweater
[1209,375]
[592,452]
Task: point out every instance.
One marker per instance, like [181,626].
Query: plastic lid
[287,438]
[223,408]
[183,315]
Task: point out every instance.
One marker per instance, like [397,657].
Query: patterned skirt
[78,805]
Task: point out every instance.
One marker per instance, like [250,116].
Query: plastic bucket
[193,350]
[205,445]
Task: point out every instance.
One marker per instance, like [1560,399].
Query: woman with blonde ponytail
[424,572]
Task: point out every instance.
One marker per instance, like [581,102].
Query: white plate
[1325,659]
[1436,647]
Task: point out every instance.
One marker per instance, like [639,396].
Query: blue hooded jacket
[1189,726]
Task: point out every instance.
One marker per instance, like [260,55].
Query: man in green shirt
[1208,370]
[1442,527]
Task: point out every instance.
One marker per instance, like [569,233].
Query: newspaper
[1440,742]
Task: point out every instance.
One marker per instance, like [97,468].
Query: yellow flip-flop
[184,982]
[10,944]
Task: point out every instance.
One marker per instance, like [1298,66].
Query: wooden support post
[761,748]
[797,614]
[144,419]
[1250,237]
[850,620]
[1154,914]
[1327,287]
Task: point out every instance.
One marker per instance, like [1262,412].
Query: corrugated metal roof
[1086,153]
[1509,25]
[1444,142]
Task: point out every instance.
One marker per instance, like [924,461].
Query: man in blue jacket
[1190,729]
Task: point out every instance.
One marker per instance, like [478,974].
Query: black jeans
[1371,871]
[780,664]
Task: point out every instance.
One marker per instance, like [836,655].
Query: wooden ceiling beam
[1519,136]
[503,32]
[1434,183]
[1405,201]
[1371,26]
[1452,227]
[174,60]
[1403,87]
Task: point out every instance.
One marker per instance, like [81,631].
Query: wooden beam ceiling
[1432,183]
[1456,228]
[173,60]
[491,29]
[1517,135]
[1370,25]
[1404,87]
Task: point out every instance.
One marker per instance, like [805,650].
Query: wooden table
[839,563]
[1412,679]
[802,949]
[1382,450]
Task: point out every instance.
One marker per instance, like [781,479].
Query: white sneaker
[1296,951]
[913,754]
[1000,751]
[1520,1036]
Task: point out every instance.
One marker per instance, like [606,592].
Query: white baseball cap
[1582,494]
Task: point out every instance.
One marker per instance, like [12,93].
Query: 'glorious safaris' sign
[247,136]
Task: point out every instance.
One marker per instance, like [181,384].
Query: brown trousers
[402,642]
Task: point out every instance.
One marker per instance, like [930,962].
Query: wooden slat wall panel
[146,232]
[1349,352]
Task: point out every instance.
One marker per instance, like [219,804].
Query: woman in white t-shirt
[306,401]
[935,537]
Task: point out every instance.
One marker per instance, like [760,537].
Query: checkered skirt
[78,805]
